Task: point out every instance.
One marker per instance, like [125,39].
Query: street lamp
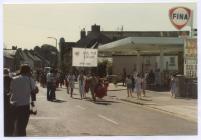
[58,64]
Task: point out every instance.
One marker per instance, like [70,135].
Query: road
[108,117]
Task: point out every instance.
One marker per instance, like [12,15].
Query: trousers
[19,121]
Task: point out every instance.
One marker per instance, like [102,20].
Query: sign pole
[191,24]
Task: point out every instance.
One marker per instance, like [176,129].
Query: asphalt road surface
[108,117]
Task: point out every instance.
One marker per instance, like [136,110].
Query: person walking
[49,84]
[129,86]
[71,79]
[133,82]
[54,85]
[81,82]
[173,85]
[7,113]
[92,85]
[144,83]
[67,83]
[138,87]
[20,89]
[124,76]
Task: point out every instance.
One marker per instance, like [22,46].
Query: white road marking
[110,120]
[43,118]
[78,106]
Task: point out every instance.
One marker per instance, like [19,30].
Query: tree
[48,52]
[104,68]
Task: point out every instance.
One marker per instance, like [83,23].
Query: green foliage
[104,68]
[48,52]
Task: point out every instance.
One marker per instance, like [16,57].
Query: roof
[33,57]
[147,33]
[9,53]
[146,44]
[24,55]
[91,39]
[43,59]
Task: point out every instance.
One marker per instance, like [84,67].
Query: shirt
[51,77]
[128,81]
[20,90]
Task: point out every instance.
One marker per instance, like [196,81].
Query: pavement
[185,108]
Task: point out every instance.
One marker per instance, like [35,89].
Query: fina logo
[179,16]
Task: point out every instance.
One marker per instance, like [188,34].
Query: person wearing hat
[20,89]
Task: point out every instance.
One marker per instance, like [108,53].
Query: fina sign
[179,16]
[85,57]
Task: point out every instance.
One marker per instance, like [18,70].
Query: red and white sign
[180,16]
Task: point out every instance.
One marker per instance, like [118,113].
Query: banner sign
[190,58]
[180,16]
[85,57]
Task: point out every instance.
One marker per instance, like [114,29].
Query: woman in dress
[81,81]
[144,83]
[138,87]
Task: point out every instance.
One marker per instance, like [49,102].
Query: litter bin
[191,88]
[195,89]
[180,86]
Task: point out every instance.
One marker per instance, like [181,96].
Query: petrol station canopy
[144,45]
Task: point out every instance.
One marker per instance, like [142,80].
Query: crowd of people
[136,84]
[20,91]
[139,82]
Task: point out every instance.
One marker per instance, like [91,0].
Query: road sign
[180,16]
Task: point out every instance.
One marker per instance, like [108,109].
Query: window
[147,61]
[172,61]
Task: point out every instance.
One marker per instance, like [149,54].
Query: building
[94,37]
[172,41]
[117,35]
[90,40]
[14,57]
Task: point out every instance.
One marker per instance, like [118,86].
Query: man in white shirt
[49,84]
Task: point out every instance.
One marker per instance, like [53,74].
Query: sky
[30,25]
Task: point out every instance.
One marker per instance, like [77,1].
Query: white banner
[85,57]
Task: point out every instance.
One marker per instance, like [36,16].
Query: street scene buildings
[106,82]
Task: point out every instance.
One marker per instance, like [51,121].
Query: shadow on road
[104,102]
[76,98]
[112,96]
[59,101]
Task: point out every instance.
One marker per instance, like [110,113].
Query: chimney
[95,28]
[83,33]
[14,47]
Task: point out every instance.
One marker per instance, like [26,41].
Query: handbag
[33,109]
